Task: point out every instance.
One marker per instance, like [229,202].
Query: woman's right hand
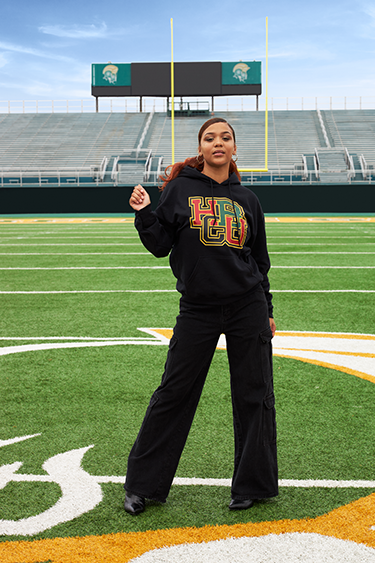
[139,198]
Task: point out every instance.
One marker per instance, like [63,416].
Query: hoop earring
[234,159]
[199,158]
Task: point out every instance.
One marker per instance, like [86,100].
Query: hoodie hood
[189,172]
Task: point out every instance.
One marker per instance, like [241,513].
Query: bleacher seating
[84,147]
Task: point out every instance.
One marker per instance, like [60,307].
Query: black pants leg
[249,351]
[156,452]
[154,457]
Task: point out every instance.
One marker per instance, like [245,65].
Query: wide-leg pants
[154,457]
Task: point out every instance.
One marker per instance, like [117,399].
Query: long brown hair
[173,170]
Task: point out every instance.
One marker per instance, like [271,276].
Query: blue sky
[321,48]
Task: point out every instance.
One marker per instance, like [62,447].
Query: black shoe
[236,504]
[134,504]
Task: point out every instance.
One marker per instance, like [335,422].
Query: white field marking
[15,441]
[274,548]
[74,244]
[306,267]
[92,291]
[349,353]
[90,253]
[346,352]
[6,350]
[57,235]
[98,268]
[196,481]
[168,268]
[135,236]
[89,338]
[296,243]
[322,291]
[81,492]
[139,243]
[148,253]
[310,252]
[175,291]
[334,236]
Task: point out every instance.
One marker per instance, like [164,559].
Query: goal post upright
[265,169]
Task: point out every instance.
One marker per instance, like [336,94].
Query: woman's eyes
[210,139]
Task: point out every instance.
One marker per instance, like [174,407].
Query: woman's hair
[173,170]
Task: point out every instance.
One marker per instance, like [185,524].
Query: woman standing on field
[214,230]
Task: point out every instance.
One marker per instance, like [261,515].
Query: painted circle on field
[283,548]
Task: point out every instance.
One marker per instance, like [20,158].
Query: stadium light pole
[265,169]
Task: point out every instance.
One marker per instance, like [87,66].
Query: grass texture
[97,396]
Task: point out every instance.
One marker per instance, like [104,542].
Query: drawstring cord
[235,214]
[234,208]
[213,202]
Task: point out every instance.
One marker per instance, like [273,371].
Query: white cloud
[76,31]
[3,60]
[34,52]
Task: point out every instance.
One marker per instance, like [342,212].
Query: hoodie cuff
[145,216]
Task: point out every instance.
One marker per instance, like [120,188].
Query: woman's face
[217,145]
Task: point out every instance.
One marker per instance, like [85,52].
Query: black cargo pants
[154,457]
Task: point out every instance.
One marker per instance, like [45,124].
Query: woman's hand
[139,198]
[272,326]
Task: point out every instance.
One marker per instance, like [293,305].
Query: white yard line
[89,253]
[175,291]
[101,268]
[167,267]
[93,291]
[138,243]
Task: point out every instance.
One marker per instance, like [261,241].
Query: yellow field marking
[338,353]
[345,335]
[130,220]
[320,219]
[65,220]
[352,522]
[293,352]
[349,371]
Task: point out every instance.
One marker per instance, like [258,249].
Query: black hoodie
[216,236]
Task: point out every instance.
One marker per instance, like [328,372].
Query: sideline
[129,219]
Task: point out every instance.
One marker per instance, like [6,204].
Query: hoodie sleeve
[157,229]
[155,236]
[260,253]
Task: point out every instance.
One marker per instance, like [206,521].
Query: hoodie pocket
[214,278]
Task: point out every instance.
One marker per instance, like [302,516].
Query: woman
[214,229]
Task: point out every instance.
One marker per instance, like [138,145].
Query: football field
[86,317]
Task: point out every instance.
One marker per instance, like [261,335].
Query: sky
[316,49]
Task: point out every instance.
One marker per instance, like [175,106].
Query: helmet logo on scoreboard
[110,73]
[240,71]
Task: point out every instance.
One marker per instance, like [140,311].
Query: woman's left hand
[272,326]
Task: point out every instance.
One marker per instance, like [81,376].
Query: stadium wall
[316,198]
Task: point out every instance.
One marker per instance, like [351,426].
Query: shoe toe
[236,504]
[134,504]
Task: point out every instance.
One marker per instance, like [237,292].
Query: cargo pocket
[266,354]
[269,419]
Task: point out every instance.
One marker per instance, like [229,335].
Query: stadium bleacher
[113,149]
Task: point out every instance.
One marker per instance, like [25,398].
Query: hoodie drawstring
[235,214]
[213,201]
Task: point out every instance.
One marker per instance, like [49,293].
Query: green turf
[97,396]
